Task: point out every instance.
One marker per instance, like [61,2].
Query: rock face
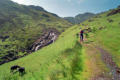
[114,12]
[48,37]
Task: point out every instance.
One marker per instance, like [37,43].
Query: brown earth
[100,63]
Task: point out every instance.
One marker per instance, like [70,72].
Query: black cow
[21,70]
[15,67]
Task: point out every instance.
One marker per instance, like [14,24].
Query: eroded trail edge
[107,58]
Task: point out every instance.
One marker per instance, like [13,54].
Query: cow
[15,67]
[21,70]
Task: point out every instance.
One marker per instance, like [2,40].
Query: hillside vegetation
[68,59]
[106,27]
[21,25]
[61,60]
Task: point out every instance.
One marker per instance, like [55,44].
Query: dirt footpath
[96,67]
[101,65]
[107,59]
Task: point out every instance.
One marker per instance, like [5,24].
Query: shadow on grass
[73,57]
[76,65]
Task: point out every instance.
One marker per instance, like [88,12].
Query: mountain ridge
[79,18]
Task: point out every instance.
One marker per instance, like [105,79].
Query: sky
[65,8]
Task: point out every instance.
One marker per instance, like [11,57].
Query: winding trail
[106,58]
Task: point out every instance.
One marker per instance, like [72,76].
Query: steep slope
[79,18]
[67,59]
[21,25]
[61,60]
[103,40]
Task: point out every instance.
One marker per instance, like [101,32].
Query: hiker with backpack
[81,35]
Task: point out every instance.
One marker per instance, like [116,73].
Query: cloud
[78,1]
[69,0]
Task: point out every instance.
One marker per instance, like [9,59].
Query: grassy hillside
[67,59]
[106,31]
[61,60]
[21,25]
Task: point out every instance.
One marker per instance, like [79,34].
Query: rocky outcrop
[113,12]
[48,37]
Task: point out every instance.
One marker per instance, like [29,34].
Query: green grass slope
[65,59]
[62,60]
[21,25]
[105,32]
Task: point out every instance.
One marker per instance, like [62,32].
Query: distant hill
[79,18]
[21,25]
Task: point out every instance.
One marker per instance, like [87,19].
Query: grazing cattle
[21,70]
[15,67]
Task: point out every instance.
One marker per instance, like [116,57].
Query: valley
[48,47]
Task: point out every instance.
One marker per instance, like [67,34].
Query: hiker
[81,35]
